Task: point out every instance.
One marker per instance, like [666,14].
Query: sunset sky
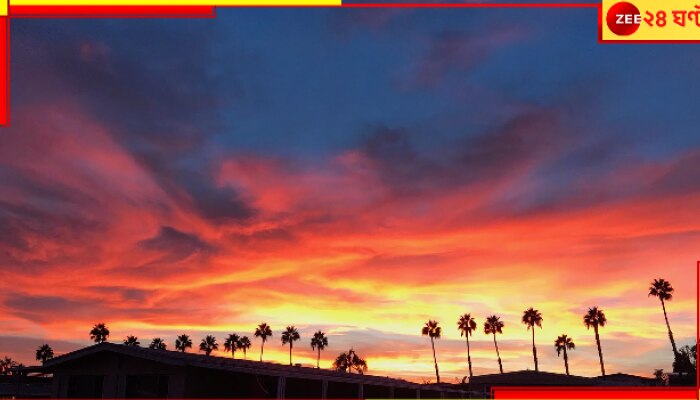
[355,171]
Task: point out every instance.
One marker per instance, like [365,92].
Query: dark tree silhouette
[662,289]
[342,362]
[318,343]
[494,326]
[661,377]
[231,344]
[685,361]
[532,318]
[5,365]
[596,318]
[563,344]
[357,363]
[467,325]
[132,341]
[290,335]
[347,362]
[99,333]
[432,330]
[244,344]
[208,344]
[263,331]
[182,343]
[158,344]
[44,352]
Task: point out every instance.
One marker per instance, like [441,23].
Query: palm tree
[44,352]
[494,325]
[532,318]
[289,336]
[319,342]
[596,318]
[157,344]
[564,343]
[99,333]
[662,289]
[231,344]
[263,331]
[132,341]
[466,326]
[208,345]
[182,343]
[432,330]
[244,344]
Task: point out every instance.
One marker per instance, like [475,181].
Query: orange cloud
[356,244]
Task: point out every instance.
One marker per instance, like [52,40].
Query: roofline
[236,365]
[534,372]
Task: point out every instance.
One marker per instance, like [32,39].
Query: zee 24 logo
[624,18]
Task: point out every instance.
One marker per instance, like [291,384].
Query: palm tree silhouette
[532,318]
[99,333]
[432,330]
[494,325]
[182,343]
[132,341]
[466,326]
[231,344]
[564,343]
[596,318]
[289,336]
[44,352]
[263,331]
[319,342]
[244,344]
[208,345]
[157,344]
[662,289]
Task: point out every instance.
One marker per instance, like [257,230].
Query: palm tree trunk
[262,349]
[290,353]
[670,334]
[437,373]
[318,359]
[566,360]
[469,357]
[498,353]
[600,351]
[233,353]
[534,350]
[245,354]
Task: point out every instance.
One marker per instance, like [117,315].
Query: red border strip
[576,393]
[111,11]
[4,71]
